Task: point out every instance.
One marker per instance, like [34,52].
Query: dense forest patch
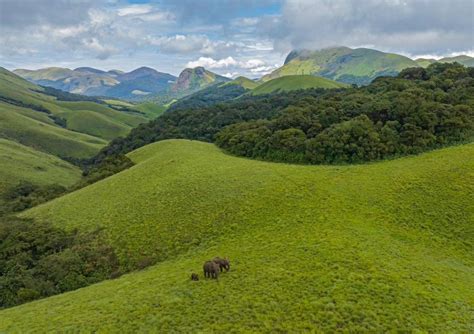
[414,112]
[39,260]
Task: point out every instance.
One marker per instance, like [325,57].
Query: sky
[229,37]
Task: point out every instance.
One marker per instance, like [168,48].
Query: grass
[45,136]
[22,163]
[295,82]
[365,248]
[244,82]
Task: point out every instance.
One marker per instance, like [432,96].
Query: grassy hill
[361,248]
[42,125]
[64,128]
[243,82]
[463,59]
[359,66]
[295,82]
[21,163]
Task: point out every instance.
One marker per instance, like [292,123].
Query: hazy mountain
[134,85]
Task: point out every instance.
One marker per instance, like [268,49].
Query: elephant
[211,269]
[223,263]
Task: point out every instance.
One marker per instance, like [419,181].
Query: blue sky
[230,37]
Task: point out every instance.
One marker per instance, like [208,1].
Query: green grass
[295,82]
[363,248]
[151,110]
[21,163]
[244,82]
[45,136]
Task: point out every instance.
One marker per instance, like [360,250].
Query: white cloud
[134,10]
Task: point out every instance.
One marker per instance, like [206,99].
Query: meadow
[378,247]
[295,82]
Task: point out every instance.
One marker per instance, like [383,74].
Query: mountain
[365,248]
[343,64]
[141,82]
[295,82]
[138,84]
[191,80]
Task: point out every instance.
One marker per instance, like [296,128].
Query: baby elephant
[223,263]
[194,277]
[211,269]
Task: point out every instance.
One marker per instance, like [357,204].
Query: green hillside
[295,82]
[21,163]
[243,82]
[463,59]
[27,109]
[425,62]
[44,125]
[353,66]
[367,248]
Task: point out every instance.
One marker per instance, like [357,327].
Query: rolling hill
[366,248]
[295,82]
[352,66]
[19,163]
[38,129]
[463,60]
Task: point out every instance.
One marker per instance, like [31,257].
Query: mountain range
[143,83]
[351,66]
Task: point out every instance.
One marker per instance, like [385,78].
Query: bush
[39,260]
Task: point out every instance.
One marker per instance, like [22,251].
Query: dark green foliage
[65,96]
[39,260]
[94,172]
[24,104]
[62,122]
[209,96]
[417,111]
[204,123]
[27,195]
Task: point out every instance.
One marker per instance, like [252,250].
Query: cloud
[134,10]
[250,67]
[24,13]
[413,26]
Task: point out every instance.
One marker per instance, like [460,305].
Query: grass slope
[243,82]
[377,247]
[106,123]
[22,163]
[295,82]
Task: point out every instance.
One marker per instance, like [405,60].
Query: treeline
[39,260]
[418,110]
[66,96]
[204,123]
[208,96]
